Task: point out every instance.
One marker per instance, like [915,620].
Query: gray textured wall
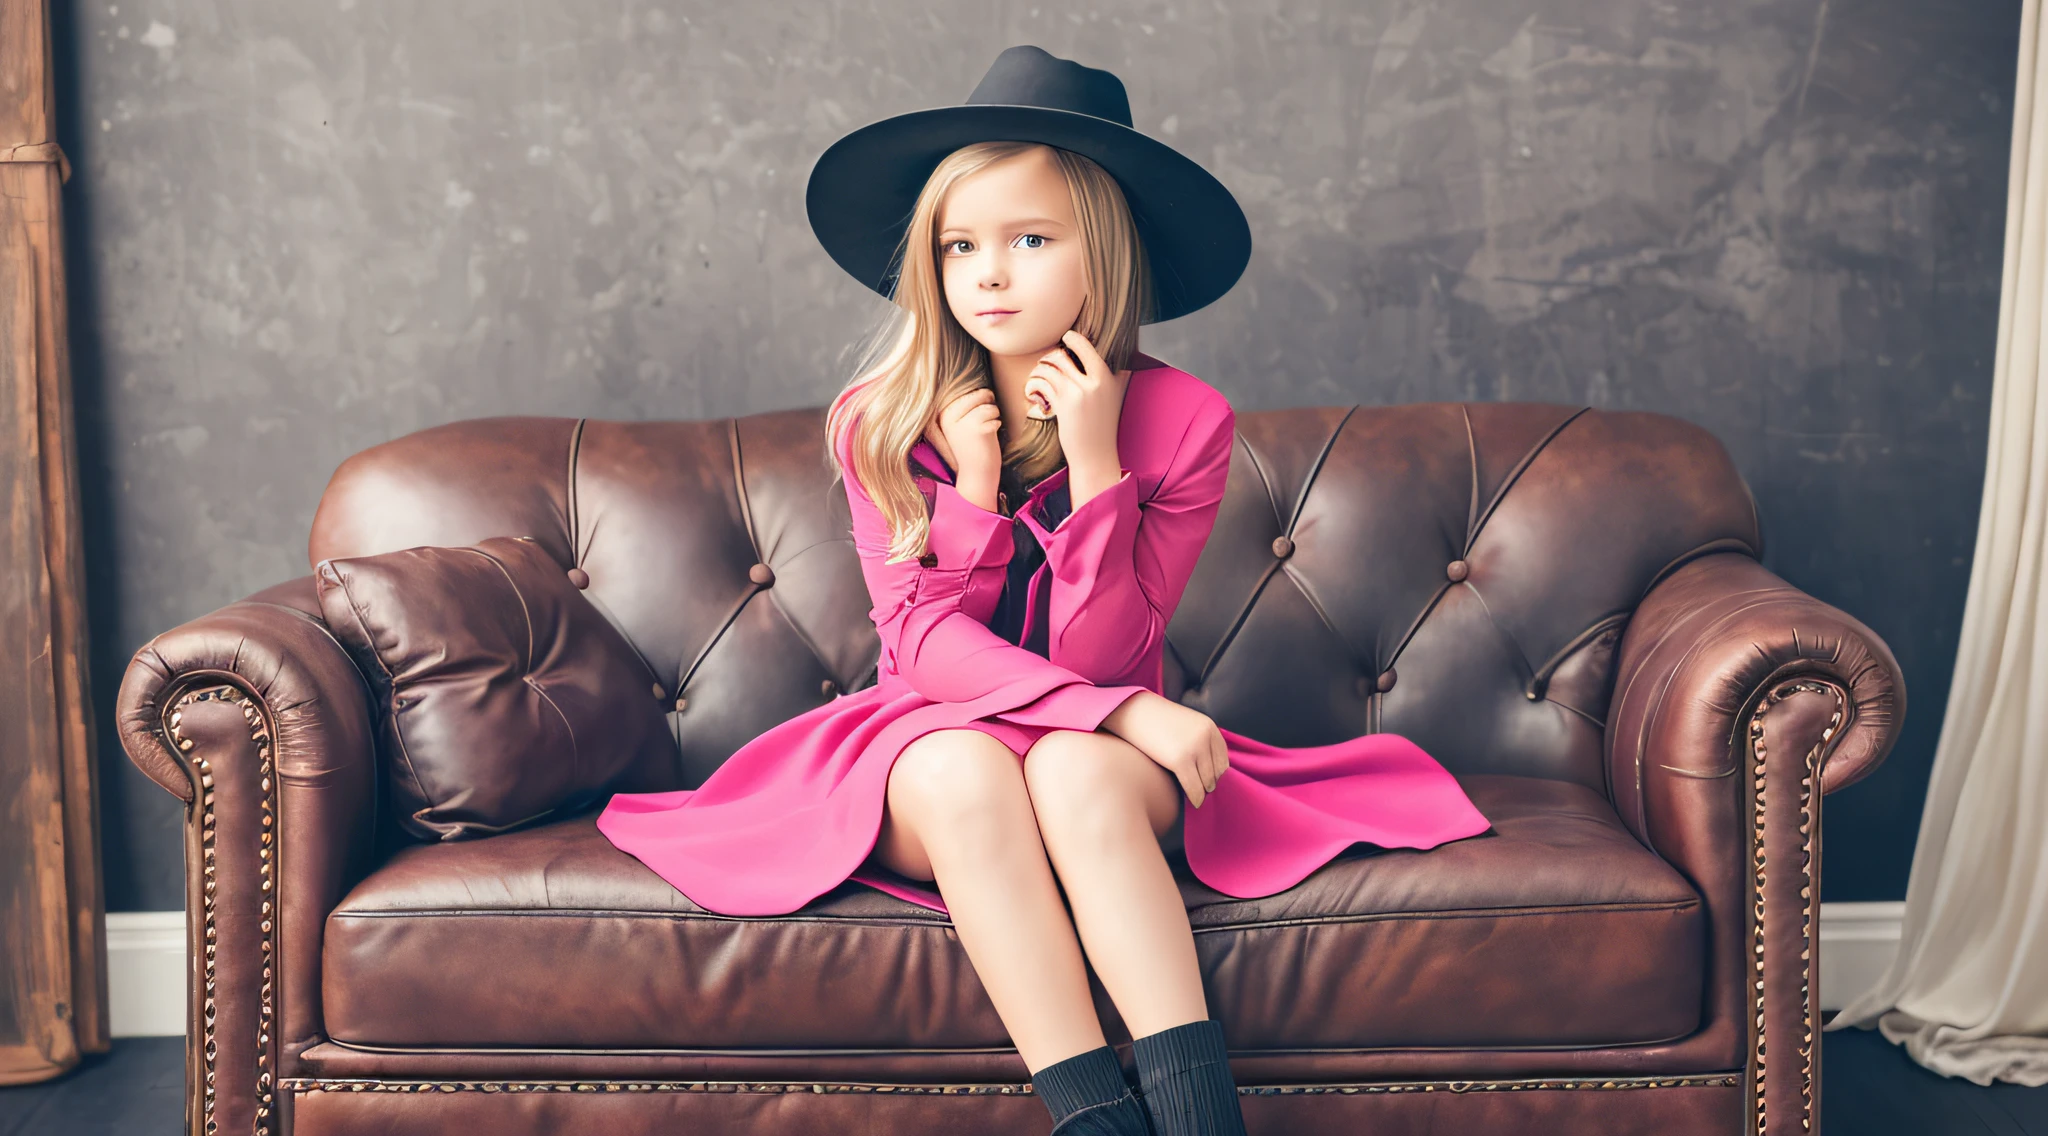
[300,229]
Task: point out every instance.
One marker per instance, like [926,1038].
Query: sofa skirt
[1651,1106]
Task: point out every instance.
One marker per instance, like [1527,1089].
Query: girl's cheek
[1062,280]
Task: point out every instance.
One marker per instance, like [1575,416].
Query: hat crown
[1031,76]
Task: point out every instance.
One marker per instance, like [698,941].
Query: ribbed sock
[1068,1086]
[1184,1075]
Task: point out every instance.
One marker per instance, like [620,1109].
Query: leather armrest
[1738,702]
[256,717]
[1703,645]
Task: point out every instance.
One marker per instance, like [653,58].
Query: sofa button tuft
[682,704]
[1386,682]
[828,688]
[659,691]
[1457,570]
[1189,696]
[761,574]
[1282,547]
[580,578]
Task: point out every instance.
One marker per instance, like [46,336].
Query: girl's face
[1010,255]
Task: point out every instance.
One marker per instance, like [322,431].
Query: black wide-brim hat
[865,185]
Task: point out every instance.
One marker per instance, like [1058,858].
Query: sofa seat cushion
[1556,929]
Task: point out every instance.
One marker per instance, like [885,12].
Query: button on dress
[796,811]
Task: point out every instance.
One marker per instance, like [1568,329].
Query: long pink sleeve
[933,619]
[1119,567]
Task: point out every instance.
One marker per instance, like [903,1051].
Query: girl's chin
[1014,345]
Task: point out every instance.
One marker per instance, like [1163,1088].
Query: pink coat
[796,811]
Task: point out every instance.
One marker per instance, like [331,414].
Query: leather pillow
[506,696]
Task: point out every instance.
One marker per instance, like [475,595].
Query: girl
[1029,495]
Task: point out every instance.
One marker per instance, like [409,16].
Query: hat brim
[864,186]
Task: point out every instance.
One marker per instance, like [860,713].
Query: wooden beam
[53,996]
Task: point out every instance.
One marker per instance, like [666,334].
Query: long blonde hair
[918,357]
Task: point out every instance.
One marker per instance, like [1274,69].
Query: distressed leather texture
[1565,606]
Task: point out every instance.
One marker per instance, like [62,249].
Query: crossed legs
[1087,806]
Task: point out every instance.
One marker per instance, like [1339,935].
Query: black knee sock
[1088,1078]
[1184,1074]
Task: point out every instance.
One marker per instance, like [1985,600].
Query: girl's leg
[958,813]
[1103,808]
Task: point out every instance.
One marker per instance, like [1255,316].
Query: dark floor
[1868,1085]
[138,1088]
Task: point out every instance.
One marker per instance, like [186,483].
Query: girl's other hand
[1184,741]
[1087,398]
[967,433]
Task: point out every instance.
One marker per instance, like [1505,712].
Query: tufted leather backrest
[1458,573]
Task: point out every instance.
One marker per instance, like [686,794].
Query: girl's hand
[1088,400]
[1184,741]
[967,433]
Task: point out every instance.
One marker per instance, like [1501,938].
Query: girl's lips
[996,313]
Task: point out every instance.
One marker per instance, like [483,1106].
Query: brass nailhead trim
[370,1085]
[266,866]
[1806,890]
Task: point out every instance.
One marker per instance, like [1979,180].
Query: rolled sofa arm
[1738,702]
[256,717]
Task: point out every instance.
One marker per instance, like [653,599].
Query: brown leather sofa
[1564,605]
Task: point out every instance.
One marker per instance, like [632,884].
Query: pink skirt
[797,810]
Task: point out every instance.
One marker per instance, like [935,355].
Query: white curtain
[1967,994]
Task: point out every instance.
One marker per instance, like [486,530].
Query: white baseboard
[1857,942]
[146,962]
[146,973]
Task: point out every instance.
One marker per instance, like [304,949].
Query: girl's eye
[950,245]
[1033,237]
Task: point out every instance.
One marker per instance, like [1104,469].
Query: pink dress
[796,811]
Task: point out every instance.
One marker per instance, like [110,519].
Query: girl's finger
[970,400]
[1086,350]
[1058,357]
[1192,786]
[1039,393]
[1061,381]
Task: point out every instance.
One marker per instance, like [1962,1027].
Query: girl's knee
[1066,763]
[959,776]
[1072,774]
